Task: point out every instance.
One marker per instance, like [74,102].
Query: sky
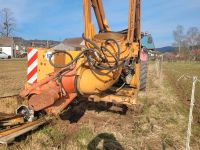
[60,19]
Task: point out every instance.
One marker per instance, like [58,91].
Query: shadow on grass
[108,141]
[76,110]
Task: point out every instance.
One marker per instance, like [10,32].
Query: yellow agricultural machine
[107,68]
[93,72]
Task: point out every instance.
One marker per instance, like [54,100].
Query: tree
[198,41]
[179,36]
[192,36]
[7,22]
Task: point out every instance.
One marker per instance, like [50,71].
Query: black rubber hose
[92,63]
[57,52]
[72,60]
[95,70]
[118,48]
[91,42]
[110,68]
[106,41]
[103,47]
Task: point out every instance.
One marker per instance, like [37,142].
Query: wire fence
[195,80]
[194,83]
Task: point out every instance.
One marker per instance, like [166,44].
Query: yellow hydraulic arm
[133,18]
[100,15]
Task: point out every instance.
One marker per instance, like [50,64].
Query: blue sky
[60,19]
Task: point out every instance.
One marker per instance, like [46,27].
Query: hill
[36,43]
[166,49]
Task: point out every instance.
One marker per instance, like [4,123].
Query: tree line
[187,42]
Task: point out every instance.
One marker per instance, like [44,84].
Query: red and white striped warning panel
[32,65]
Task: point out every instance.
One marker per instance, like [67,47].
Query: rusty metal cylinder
[43,100]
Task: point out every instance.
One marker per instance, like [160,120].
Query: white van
[4,55]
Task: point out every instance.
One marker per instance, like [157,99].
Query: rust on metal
[61,104]
[47,92]
[43,100]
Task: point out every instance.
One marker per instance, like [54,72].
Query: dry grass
[12,76]
[12,79]
[161,125]
[8,105]
[183,89]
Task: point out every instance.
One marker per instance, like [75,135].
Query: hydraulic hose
[95,65]
[57,52]
[72,60]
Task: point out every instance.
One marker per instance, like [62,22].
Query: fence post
[159,62]
[161,66]
[190,113]
[157,67]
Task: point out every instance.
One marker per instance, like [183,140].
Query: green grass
[82,137]
[183,89]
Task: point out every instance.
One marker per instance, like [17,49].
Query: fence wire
[192,102]
[195,81]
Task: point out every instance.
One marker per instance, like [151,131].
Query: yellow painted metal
[131,20]
[100,15]
[135,79]
[89,29]
[138,20]
[44,67]
[91,83]
[88,82]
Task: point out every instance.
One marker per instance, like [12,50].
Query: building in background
[7,46]
[70,44]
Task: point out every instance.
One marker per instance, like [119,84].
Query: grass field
[161,125]
[12,79]
[183,89]
[12,76]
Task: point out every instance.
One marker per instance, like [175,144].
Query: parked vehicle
[21,54]
[4,55]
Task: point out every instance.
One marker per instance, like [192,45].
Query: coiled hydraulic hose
[72,59]
[58,52]
[94,65]
[100,49]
